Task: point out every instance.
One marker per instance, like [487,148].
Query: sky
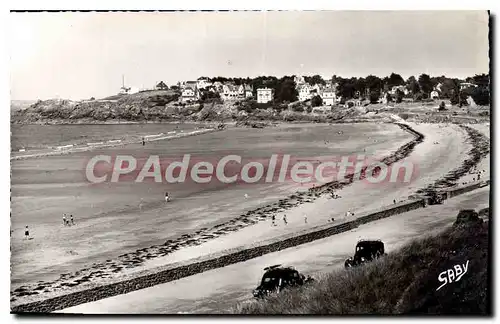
[82,55]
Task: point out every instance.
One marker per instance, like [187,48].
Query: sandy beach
[110,222]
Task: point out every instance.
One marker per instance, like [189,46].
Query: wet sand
[110,222]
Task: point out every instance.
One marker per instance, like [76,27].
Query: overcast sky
[80,55]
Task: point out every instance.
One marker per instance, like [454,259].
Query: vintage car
[276,278]
[366,251]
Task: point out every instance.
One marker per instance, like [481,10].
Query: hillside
[157,106]
[404,282]
[163,106]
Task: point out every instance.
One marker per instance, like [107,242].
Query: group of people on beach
[68,222]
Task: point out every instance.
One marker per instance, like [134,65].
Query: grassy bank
[403,282]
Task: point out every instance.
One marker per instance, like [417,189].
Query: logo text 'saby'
[452,275]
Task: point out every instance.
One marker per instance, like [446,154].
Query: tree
[346,88]
[360,86]
[373,83]
[425,83]
[315,79]
[481,96]
[395,80]
[412,85]
[205,95]
[316,101]
[399,96]
[286,90]
[374,96]
[455,100]
[481,80]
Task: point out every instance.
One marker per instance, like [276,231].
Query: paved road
[217,290]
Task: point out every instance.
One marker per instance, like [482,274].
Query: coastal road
[218,290]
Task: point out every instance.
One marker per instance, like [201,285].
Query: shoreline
[135,259]
[247,219]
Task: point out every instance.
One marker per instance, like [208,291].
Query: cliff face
[130,108]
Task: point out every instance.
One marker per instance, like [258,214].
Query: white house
[299,80]
[189,84]
[465,85]
[328,96]
[241,90]
[218,86]
[304,91]
[394,90]
[203,83]
[248,91]
[190,93]
[434,94]
[264,95]
[230,92]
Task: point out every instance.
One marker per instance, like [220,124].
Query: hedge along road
[217,290]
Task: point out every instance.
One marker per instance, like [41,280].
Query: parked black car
[276,278]
[365,251]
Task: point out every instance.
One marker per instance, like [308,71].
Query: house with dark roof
[161,86]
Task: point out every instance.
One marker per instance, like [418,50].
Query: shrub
[442,106]
[374,96]
[316,101]
[481,96]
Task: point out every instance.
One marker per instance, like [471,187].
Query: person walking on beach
[305,219]
[143,142]
[167,197]
[26,233]
[65,221]
[284,220]
[72,220]
[273,220]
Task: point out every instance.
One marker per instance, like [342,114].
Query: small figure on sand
[305,219]
[72,220]
[167,197]
[394,200]
[284,220]
[26,233]
[65,221]
[246,196]
[273,220]
[143,142]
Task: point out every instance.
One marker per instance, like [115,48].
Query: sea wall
[141,282]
